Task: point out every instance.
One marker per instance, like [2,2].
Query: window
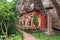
[29,23]
[24,22]
[21,23]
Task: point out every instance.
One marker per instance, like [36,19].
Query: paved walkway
[28,36]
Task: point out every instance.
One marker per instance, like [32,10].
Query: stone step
[32,30]
[29,29]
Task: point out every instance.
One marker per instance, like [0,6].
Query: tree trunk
[6,34]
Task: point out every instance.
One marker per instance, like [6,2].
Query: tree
[7,18]
[35,20]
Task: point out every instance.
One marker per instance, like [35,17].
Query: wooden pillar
[49,30]
[19,21]
[25,23]
[31,21]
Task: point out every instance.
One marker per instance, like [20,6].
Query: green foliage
[15,37]
[35,20]
[5,12]
[12,30]
[15,34]
[7,17]
[14,5]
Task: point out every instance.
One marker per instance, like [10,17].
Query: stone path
[28,36]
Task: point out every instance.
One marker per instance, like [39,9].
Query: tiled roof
[29,5]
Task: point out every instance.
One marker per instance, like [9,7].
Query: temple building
[27,9]
[42,8]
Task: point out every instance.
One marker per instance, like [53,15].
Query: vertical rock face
[56,4]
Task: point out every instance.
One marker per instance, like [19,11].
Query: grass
[46,37]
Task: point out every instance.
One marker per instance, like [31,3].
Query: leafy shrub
[15,37]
